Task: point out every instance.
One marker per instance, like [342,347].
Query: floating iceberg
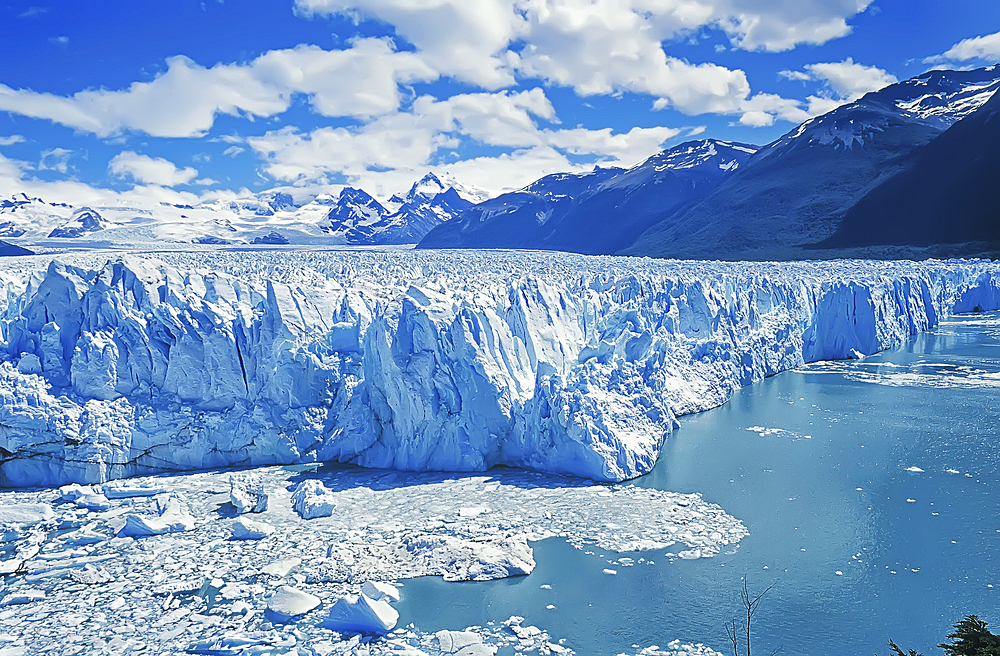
[361,615]
[417,360]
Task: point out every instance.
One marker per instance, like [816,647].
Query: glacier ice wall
[416,360]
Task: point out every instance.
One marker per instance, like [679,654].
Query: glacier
[115,365]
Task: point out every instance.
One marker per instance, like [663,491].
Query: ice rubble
[416,360]
[80,586]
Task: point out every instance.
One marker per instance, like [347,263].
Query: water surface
[870,490]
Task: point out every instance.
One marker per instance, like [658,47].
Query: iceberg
[417,360]
[361,615]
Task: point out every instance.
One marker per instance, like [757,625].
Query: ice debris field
[291,560]
[416,360]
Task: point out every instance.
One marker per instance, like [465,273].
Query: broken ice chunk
[247,529]
[91,575]
[288,602]
[464,643]
[73,491]
[25,513]
[22,597]
[125,490]
[93,501]
[246,493]
[361,615]
[282,567]
[380,591]
[82,537]
[173,517]
[311,499]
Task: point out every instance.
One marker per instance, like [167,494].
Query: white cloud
[849,80]
[11,140]
[841,82]
[55,159]
[981,47]
[402,146]
[150,170]
[600,46]
[233,151]
[361,82]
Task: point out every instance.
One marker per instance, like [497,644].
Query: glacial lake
[871,494]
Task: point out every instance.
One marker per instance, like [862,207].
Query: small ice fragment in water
[610,571]
[915,470]
[911,501]
[453,642]
[839,573]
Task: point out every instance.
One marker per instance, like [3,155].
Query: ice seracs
[416,360]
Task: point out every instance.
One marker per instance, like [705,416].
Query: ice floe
[200,591]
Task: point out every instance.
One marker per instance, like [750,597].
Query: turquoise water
[835,488]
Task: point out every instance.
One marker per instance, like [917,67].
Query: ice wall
[416,360]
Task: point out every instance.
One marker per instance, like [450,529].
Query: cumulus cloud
[600,46]
[150,170]
[841,82]
[11,140]
[394,148]
[361,81]
[981,47]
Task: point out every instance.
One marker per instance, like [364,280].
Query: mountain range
[905,171]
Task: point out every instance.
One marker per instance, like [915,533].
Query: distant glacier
[417,360]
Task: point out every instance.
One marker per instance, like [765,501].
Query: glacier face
[416,360]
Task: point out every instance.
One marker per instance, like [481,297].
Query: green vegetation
[970,638]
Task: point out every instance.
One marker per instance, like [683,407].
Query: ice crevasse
[416,360]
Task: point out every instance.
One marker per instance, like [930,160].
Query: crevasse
[417,360]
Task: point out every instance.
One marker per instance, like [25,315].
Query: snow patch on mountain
[416,360]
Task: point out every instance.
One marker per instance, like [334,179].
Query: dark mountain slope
[796,190]
[596,213]
[948,196]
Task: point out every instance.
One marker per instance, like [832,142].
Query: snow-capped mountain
[429,203]
[948,196]
[353,215]
[518,219]
[599,212]
[794,191]
[271,218]
[83,222]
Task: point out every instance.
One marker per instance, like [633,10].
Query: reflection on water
[870,491]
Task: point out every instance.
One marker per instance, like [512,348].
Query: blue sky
[188,100]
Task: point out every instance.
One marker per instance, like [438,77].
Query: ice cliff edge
[417,360]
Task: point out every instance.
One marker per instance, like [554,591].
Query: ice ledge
[417,360]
